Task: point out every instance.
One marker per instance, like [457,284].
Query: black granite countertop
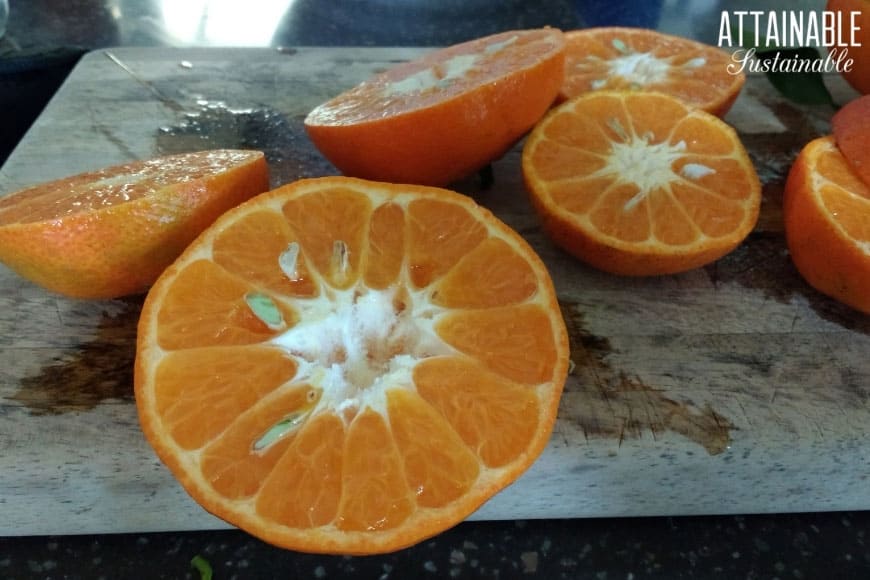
[44,40]
[796,546]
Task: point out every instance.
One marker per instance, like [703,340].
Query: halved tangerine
[348,366]
[442,117]
[639,183]
[619,58]
[826,209]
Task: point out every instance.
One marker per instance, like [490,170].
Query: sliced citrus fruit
[826,210]
[111,232]
[442,117]
[851,128]
[348,366]
[855,21]
[617,58]
[638,183]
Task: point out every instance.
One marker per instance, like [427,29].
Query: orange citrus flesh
[615,58]
[346,366]
[446,115]
[639,184]
[826,209]
[851,129]
[111,232]
[858,75]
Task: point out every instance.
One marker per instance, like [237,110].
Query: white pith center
[443,74]
[356,343]
[647,165]
[640,68]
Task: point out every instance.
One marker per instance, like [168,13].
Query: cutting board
[734,388]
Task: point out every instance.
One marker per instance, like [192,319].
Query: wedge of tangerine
[111,232]
[851,130]
[444,116]
[639,183]
[347,366]
[618,58]
[826,210]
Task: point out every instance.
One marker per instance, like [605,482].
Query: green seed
[279,430]
[621,46]
[265,309]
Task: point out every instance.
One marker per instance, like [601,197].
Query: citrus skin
[112,232]
[441,118]
[821,247]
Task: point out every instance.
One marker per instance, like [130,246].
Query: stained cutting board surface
[733,388]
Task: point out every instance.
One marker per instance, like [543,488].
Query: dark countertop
[44,40]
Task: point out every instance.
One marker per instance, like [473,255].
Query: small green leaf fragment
[265,309]
[804,87]
[202,566]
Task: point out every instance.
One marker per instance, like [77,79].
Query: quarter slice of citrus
[347,366]
[638,183]
[851,129]
[111,232]
[440,118]
[826,209]
[616,58]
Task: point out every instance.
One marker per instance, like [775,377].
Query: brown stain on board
[96,371]
[619,406]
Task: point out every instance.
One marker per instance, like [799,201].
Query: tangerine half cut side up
[640,184]
[439,118]
[345,366]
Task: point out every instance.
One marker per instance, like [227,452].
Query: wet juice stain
[615,405]
[97,370]
[215,125]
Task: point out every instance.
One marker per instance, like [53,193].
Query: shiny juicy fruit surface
[351,368]
[614,58]
[639,183]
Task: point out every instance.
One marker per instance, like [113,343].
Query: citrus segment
[441,117]
[212,307]
[111,232]
[615,58]
[490,275]
[227,461]
[374,411]
[375,495]
[476,402]
[304,488]
[826,209]
[514,342]
[207,406]
[439,235]
[438,466]
[252,246]
[639,183]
